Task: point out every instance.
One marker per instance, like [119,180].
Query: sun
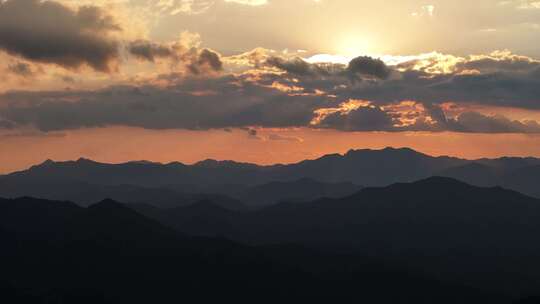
[346,48]
[355,45]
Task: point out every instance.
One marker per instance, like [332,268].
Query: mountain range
[236,184]
[484,237]
[57,252]
[374,226]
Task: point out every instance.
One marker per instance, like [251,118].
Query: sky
[266,81]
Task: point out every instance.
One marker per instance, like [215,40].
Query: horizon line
[254,163]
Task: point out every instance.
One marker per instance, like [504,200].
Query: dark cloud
[236,103]
[67,79]
[436,113]
[361,119]
[367,66]
[362,73]
[48,32]
[264,98]
[207,59]
[230,102]
[506,89]
[372,118]
[501,89]
[148,50]
[252,132]
[196,61]
[479,123]
[486,64]
[5,124]
[298,67]
[21,69]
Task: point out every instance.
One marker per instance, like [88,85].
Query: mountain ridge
[469,233]
[107,253]
[364,167]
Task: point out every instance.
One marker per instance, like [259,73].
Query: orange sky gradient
[134,81]
[269,146]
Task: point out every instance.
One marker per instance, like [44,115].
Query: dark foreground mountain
[482,237]
[57,252]
[85,181]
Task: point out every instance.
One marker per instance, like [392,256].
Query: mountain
[361,167]
[517,174]
[475,173]
[57,252]
[371,167]
[524,180]
[483,237]
[175,184]
[232,197]
[301,190]
[86,194]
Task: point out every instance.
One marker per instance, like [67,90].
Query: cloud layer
[182,85]
[48,32]
[195,60]
[366,95]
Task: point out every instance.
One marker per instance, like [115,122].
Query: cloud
[253,134]
[361,119]
[296,66]
[368,66]
[197,103]
[480,123]
[357,69]
[191,7]
[49,32]
[254,58]
[5,124]
[206,59]
[278,137]
[497,79]
[21,69]
[299,67]
[358,115]
[196,61]
[148,50]
[280,92]
[175,7]
[499,61]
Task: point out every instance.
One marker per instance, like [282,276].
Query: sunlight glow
[355,45]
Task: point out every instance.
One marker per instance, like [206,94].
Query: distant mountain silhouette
[301,190]
[79,180]
[484,237]
[57,252]
[524,180]
[362,167]
[87,194]
[475,173]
